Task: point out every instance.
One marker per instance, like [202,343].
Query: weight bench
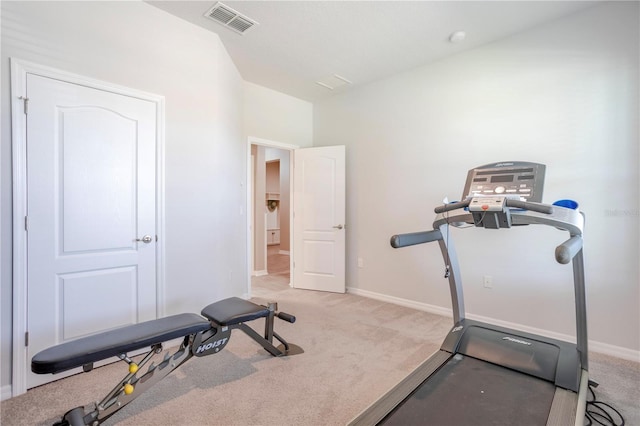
[200,337]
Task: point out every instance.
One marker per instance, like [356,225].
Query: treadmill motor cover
[525,355]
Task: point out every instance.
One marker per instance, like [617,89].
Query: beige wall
[137,45]
[259,221]
[564,94]
[277,117]
[285,202]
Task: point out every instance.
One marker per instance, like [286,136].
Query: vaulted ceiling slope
[295,44]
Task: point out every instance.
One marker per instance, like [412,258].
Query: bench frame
[201,343]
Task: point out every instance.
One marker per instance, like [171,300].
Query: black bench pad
[100,346]
[234,311]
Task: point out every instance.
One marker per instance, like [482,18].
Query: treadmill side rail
[563,408]
[568,408]
[378,410]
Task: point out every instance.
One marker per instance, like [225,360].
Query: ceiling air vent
[223,14]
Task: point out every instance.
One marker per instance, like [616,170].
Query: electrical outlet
[487,281]
[360,262]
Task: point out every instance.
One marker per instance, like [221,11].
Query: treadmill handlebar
[453,206]
[509,202]
[567,250]
[535,207]
[413,238]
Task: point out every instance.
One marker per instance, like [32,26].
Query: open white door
[319,219]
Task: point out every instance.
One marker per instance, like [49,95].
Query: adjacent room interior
[271,208]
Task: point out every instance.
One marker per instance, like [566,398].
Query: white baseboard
[615,351]
[260,273]
[433,309]
[6,392]
[600,347]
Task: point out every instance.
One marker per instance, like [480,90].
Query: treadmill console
[517,179]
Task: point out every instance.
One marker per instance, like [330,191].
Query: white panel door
[319,219]
[90,195]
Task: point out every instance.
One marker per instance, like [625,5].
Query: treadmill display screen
[516,178]
[502,178]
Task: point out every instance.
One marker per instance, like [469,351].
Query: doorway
[317,238]
[270,219]
[278,206]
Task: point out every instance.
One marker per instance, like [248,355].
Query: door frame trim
[252,140]
[19,71]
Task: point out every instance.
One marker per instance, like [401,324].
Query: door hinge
[26,223]
[26,338]
[26,103]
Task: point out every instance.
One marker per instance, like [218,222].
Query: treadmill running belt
[467,391]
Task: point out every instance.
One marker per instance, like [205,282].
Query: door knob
[146,239]
[339,226]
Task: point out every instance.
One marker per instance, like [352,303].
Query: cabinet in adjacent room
[273,236]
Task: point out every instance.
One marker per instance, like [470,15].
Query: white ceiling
[300,42]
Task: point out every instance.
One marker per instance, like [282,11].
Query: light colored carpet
[355,349]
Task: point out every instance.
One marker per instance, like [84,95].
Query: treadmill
[485,374]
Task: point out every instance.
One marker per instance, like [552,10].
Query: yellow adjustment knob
[128,389]
[133,368]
